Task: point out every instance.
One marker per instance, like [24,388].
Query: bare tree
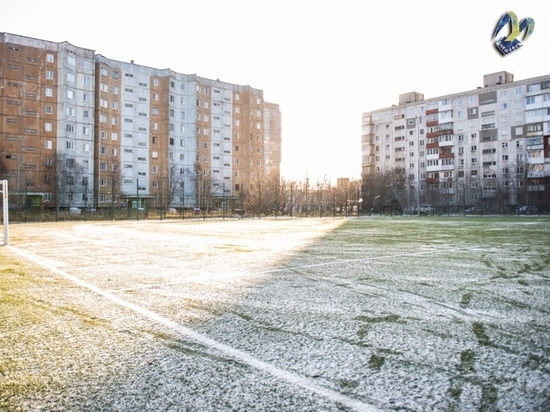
[518,189]
[203,185]
[68,176]
[174,184]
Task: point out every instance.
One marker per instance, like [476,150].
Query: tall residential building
[47,123]
[130,134]
[488,147]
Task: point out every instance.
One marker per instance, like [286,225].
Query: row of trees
[391,191]
[492,192]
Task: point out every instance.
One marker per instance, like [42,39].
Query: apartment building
[47,124]
[488,147]
[131,135]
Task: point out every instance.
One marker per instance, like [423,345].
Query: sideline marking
[290,377]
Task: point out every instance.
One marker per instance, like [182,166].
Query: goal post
[5,208]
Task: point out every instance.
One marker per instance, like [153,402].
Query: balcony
[431,111]
[431,145]
[432,123]
[432,181]
[446,143]
[446,155]
[432,134]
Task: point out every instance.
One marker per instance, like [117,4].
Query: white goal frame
[5,211]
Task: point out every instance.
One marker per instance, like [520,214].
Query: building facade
[486,148]
[47,109]
[80,129]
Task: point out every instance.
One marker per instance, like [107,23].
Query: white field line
[290,377]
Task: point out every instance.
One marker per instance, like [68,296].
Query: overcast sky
[323,62]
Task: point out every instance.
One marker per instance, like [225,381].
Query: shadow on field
[402,313]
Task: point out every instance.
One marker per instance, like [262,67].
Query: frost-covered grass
[422,314]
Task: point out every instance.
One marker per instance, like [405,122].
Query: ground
[422,314]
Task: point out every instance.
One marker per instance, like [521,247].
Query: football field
[362,314]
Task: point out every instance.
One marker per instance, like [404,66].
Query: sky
[324,62]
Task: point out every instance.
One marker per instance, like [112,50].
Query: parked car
[527,210]
[74,211]
[410,210]
[427,210]
[475,210]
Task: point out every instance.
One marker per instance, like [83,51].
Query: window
[70,77]
[69,146]
[70,94]
[49,74]
[530,100]
[47,145]
[49,58]
[48,92]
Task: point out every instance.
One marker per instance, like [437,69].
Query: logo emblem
[510,43]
